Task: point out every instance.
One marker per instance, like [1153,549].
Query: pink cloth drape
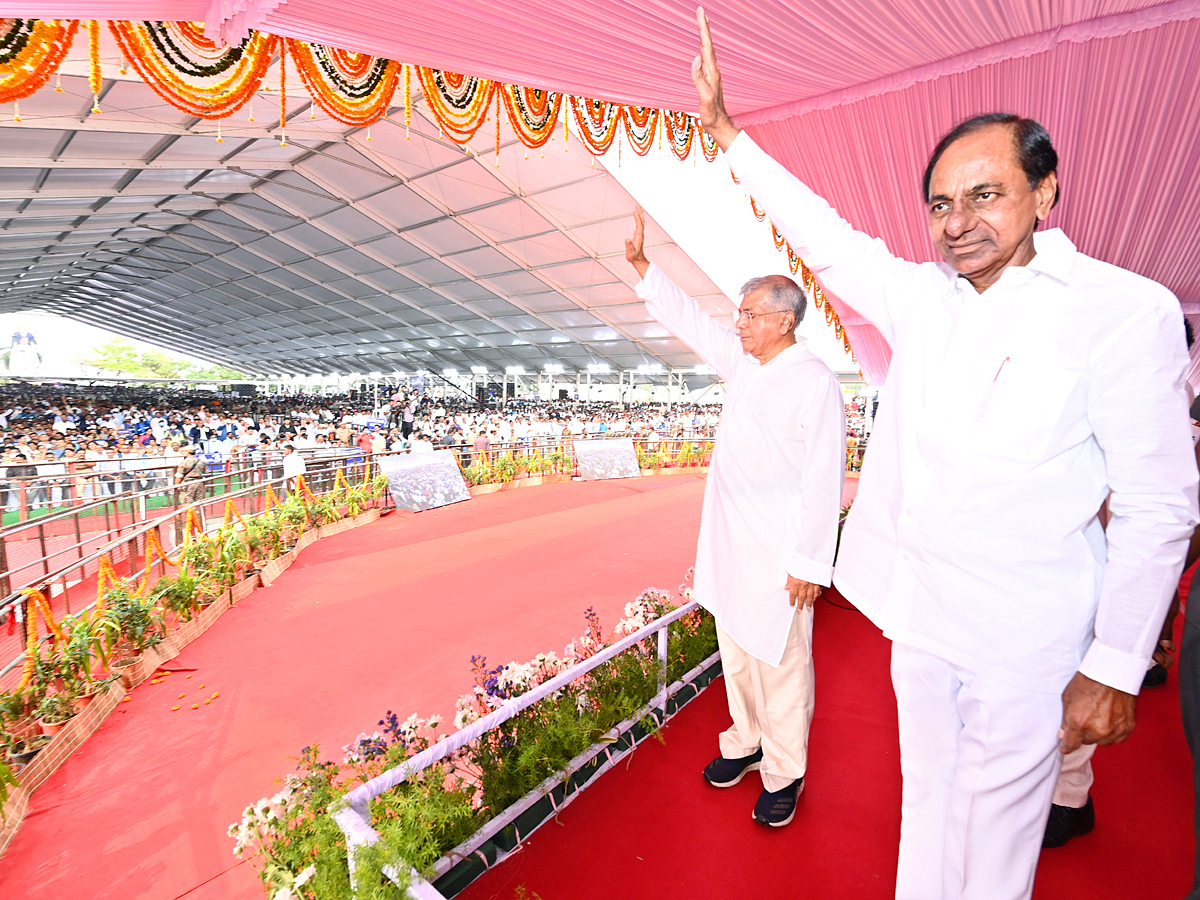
[1123,115]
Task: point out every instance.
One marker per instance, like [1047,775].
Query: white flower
[304,875]
[434,721]
[282,894]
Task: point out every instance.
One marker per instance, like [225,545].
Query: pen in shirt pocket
[1001,369]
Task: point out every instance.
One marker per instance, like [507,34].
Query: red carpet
[382,617]
[387,616]
[655,829]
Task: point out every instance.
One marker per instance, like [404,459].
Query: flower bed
[472,804]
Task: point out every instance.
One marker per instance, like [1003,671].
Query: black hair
[1035,154]
[1188,333]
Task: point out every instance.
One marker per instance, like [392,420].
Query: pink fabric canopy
[851,95]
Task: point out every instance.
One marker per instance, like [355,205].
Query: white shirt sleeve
[1138,410]
[810,533]
[720,347]
[852,266]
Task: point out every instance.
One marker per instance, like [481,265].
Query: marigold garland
[192,73]
[353,88]
[533,113]
[31,50]
[459,103]
[37,603]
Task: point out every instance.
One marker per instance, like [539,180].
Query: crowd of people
[67,443]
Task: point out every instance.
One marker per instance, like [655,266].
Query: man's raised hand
[707,78]
[635,247]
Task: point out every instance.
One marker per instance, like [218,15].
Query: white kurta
[774,488]
[1006,419]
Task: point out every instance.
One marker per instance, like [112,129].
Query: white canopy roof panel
[342,251]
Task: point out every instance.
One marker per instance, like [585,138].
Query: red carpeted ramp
[382,617]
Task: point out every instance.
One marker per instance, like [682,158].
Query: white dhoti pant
[1075,779]
[771,706]
[979,760]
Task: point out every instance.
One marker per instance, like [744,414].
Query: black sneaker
[1066,822]
[777,808]
[723,773]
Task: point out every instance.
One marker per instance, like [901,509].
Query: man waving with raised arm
[1027,382]
[768,530]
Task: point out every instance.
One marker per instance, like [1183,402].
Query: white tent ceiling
[342,251]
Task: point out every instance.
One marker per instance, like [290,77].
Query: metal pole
[661,698]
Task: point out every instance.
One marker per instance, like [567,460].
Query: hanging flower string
[95,82]
[192,73]
[31,50]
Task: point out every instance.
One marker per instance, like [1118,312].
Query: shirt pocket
[1023,408]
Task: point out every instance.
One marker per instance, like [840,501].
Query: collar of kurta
[1055,254]
[800,342]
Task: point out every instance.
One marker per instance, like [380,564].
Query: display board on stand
[613,458]
[424,480]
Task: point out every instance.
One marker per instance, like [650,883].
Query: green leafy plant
[7,779]
[56,708]
[357,500]
[264,540]
[379,486]
[504,469]
[135,622]
[180,594]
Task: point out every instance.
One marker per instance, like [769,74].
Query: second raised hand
[707,78]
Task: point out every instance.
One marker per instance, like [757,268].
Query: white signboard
[424,480]
[613,458]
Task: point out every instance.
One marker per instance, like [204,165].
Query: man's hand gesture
[1094,713]
[803,592]
[635,247]
[707,78]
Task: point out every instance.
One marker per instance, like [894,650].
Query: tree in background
[121,357]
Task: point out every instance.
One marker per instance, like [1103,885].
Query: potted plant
[179,595]
[135,625]
[357,500]
[230,557]
[55,711]
[379,486]
[22,751]
[263,540]
[17,707]
[292,517]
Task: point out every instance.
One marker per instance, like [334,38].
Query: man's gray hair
[782,294]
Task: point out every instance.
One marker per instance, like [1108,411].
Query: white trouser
[979,760]
[771,706]
[1075,779]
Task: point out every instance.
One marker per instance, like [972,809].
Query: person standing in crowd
[1020,630]
[293,466]
[189,484]
[768,529]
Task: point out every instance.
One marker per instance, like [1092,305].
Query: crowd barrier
[69,574]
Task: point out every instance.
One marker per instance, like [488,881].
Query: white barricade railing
[354,817]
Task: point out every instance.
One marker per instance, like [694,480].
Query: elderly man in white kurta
[768,529]
[1027,382]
